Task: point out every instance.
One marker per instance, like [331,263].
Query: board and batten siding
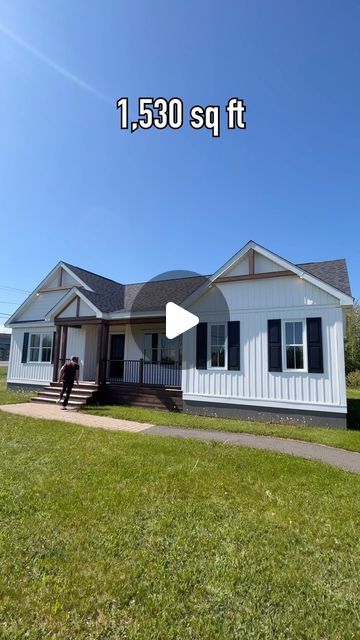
[253,303]
[28,372]
[41,305]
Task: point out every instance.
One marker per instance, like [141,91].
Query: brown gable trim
[67,288]
[256,276]
[77,321]
[251,261]
[64,308]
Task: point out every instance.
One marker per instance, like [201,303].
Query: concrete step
[72,403]
[86,386]
[54,393]
[80,395]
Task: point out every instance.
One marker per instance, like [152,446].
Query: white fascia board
[73,275]
[32,295]
[73,294]
[317,282]
[31,324]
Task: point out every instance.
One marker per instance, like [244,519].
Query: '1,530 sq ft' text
[161,113]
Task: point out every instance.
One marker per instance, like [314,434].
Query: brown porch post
[102,349]
[56,353]
[104,353]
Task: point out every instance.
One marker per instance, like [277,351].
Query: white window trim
[304,335]
[211,368]
[34,333]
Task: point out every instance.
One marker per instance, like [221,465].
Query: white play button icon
[178,320]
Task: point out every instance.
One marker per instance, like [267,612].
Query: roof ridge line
[320,261]
[92,273]
[133,284]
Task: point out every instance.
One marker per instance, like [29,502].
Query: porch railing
[140,372]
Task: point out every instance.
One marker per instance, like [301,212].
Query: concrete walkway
[347,460]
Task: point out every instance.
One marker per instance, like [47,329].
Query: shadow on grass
[353,414]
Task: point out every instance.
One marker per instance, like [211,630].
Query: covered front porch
[131,353]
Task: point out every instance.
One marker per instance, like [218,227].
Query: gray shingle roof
[107,295]
[155,294]
[333,272]
[110,296]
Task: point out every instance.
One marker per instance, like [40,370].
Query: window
[294,345]
[217,346]
[170,349]
[158,348]
[150,347]
[40,347]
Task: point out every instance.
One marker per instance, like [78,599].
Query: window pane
[299,357]
[35,340]
[214,334]
[290,358]
[34,354]
[221,357]
[221,334]
[214,358]
[170,349]
[217,344]
[45,354]
[298,332]
[47,340]
[46,347]
[289,331]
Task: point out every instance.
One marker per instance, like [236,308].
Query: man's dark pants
[66,390]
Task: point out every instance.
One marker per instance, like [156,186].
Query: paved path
[347,460]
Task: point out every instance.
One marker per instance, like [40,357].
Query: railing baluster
[140,372]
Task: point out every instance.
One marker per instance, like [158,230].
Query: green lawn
[349,439]
[11,397]
[346,439]
[117,536]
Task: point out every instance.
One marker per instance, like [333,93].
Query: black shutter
[154,349]
[314,345]
[25,348]
[274,345]
[234,345]
[201,345]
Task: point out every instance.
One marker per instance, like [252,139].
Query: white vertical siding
[29,372]
[264,265]
[253,303]
[254,383]
[69,312]
[68,280]
[41,305]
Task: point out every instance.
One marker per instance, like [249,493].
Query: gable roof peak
[76,269]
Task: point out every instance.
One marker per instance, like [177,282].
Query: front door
[116,364]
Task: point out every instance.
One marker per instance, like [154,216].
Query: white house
[269,344]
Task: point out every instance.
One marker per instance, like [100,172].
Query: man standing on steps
[69,372]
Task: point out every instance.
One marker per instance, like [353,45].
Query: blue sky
[129,206]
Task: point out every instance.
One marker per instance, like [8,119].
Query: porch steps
[136,395]
[80,396]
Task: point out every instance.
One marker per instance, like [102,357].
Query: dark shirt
[69,372]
